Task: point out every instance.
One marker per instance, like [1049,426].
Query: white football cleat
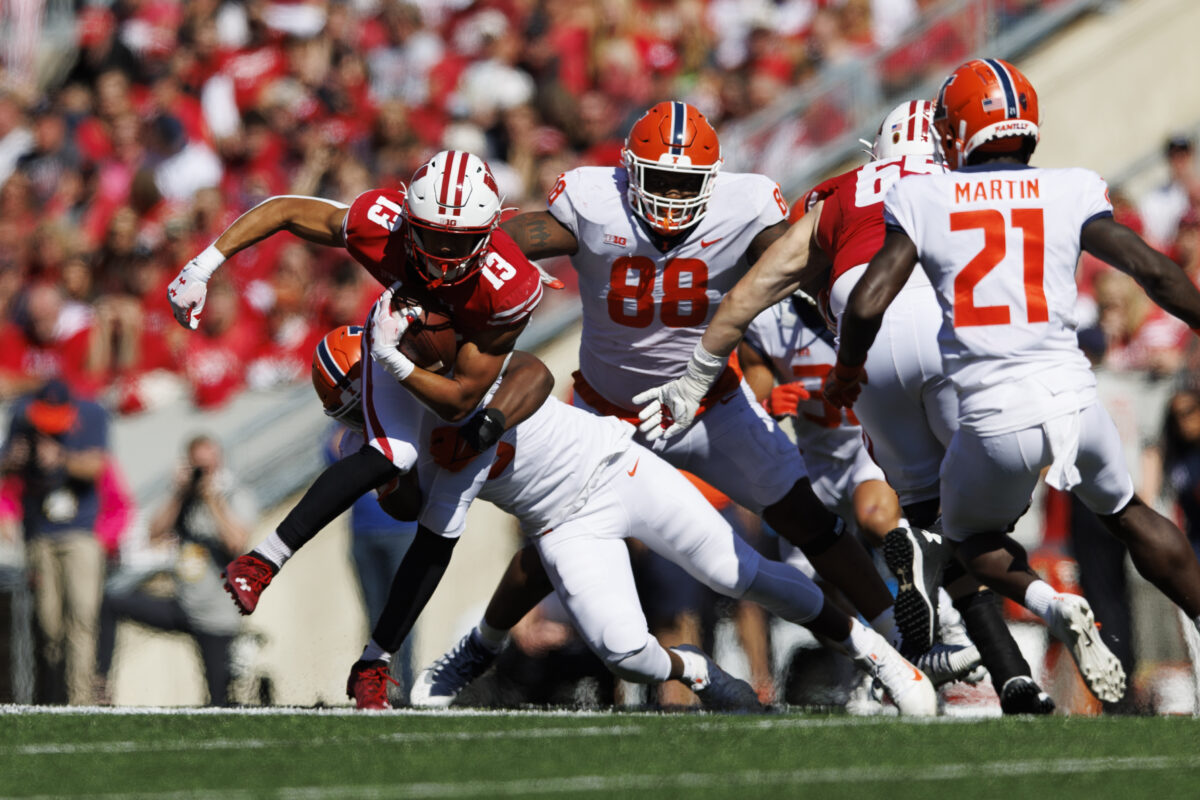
[944,663]
[1074,625]
[910,689]
[438,685]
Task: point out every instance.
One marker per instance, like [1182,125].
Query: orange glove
[785,399]
[843,385]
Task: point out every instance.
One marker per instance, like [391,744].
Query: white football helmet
[907,130]
[452,206]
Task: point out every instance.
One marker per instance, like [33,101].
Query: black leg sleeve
[334,491]
[418,575]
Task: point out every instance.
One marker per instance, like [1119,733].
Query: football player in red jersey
[908,408]
[435,244]
[437,238]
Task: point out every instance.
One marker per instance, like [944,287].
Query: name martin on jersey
[996,189]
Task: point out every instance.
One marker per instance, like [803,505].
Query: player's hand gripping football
[680,398]
[387,326]
[187,292]
[785,399]
[844,384]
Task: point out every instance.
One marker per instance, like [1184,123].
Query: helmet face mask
[672,157]
[986,105]
[337,375]
[452,205]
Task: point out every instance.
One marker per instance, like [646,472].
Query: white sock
[491,639]
[885,626]
[274,550]
[373,652]
[1040,597]
[695,668]
[859,642]
[1196,622]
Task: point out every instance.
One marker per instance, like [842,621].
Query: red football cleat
[367,685]
[245,578]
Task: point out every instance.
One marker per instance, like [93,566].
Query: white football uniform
[644,311]
[999,243]
[800,348]
[579,487]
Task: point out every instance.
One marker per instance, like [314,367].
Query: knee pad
[633,654]
[786,592]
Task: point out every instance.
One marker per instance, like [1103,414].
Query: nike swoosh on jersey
[635,466]
[710,241]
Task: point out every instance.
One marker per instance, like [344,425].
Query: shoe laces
[255,572]
[370,684]
[461,663]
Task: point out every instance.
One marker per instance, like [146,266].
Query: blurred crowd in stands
[124,155]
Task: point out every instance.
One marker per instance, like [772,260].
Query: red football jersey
[504,290]
[851,228]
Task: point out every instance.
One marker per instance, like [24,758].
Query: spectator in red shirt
[49,340]
[214,359]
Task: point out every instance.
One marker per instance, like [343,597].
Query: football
[430,341]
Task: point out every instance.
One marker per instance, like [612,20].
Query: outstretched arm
[785,266]
[791,262]
[1162,278]
[311,218]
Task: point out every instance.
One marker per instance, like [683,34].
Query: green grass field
[537,754]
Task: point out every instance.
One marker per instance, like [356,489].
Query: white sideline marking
[688,780]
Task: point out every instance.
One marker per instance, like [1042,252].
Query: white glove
[187,292]
[680,397]
[387,326]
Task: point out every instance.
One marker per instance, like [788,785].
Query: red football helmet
[985,104]
[337,374]
[671,149]
[452,206]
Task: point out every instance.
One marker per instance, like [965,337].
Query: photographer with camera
[56,449]
[209,517]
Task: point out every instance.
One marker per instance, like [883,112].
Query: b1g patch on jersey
[613,239]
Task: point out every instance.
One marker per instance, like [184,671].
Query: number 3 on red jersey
[994,227]
[632,278]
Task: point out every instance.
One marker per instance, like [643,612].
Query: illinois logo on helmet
[907,130]
[988,105]
[672,157]
[337,374]
[451,207]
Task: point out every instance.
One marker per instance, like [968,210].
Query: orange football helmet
[985,104]
[672,149]
[337,374]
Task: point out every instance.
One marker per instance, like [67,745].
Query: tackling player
[1000,240]
[580,486]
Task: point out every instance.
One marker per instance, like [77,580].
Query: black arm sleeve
[334,491]
[419,574]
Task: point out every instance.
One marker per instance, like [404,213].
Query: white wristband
[205,264]
[395,362]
